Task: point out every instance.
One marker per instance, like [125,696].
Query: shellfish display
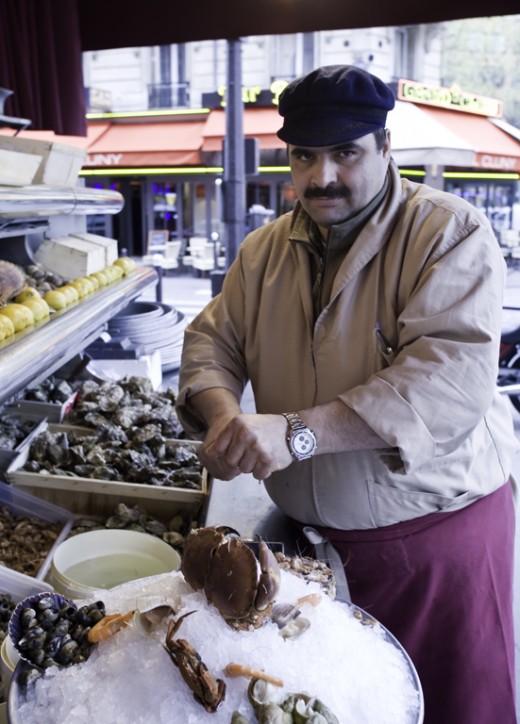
[129,403]
[130,676]
[140,455]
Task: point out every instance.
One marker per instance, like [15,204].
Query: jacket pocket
[394,505]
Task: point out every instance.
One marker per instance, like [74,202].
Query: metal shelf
[35,353]
[40,200]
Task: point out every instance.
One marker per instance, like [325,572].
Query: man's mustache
[330,192]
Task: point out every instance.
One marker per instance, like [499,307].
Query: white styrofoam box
[113,370]
[59,164]
[71,257]
[109,245]
[17,169]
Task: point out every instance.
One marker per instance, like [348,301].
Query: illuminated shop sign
[252,96]
[452,98]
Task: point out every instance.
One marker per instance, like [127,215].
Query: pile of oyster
[129,403]
[138,455]
[137,518]
[13,430]
[53,389]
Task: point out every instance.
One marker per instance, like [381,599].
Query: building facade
[157,125]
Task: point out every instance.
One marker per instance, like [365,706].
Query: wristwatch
[301,441]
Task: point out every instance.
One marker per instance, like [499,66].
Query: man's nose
[325,172]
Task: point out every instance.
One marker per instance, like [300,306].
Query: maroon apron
[443,585]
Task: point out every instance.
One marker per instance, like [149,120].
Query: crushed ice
[357,672]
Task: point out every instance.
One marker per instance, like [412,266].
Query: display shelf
[35,353]
[26,209]
[39,200]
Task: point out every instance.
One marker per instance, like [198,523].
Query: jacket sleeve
[441,376]
[212,353]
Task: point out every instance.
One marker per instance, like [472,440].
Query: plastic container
[23,503]
[18,586]
[91,562]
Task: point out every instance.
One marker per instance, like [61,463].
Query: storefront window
[165,207]
[493,198]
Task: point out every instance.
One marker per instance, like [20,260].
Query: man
[368,321]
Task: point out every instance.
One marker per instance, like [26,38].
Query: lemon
[55,299]
[127,265]
[101,277]
[20,315]
[94,281]
[88,284]
[6,327]
[117,271]
[80,287]
[70,292]
[38,307]
[110,273]
[27,293]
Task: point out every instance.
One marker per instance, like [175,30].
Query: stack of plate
[154,326]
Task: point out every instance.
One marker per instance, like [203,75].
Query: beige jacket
[427,271]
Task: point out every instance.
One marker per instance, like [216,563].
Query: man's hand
[247,443]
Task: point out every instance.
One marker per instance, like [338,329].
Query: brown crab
[207,690]
[241,586]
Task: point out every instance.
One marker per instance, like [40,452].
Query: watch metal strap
[294,420]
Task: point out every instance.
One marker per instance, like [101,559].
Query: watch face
[303,443]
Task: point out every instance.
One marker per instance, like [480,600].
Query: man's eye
[301,156]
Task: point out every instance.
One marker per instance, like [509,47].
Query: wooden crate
[98,498]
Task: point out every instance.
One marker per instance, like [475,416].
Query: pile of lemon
[30,307]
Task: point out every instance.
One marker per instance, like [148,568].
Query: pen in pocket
[385,347]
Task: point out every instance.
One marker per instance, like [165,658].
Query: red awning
[168,143]
[494,149]
[260,123]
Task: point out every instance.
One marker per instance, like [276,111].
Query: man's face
[333,183]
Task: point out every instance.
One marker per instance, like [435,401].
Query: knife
[325,551]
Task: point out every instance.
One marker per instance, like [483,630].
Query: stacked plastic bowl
[154,326]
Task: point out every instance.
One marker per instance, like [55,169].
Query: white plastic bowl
[101,559]
[8,659]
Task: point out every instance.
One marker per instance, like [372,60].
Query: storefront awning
[425,136]
[260,123]
[421,136]
[175,143]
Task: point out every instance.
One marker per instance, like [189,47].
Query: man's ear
[387,148]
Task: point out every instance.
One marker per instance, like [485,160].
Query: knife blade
[325,551]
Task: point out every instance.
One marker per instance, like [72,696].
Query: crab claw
[270,577]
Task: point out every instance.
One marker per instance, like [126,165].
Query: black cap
[333,105]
